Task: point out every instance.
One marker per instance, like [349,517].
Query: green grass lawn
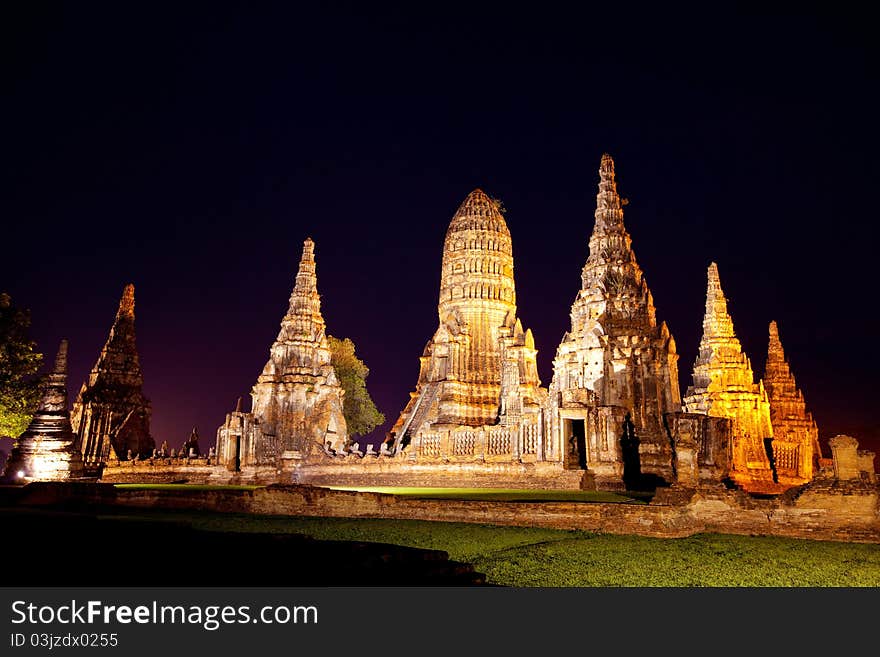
[518,556]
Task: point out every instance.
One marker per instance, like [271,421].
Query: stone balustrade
[520,442]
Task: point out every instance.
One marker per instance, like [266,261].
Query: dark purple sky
[191,150]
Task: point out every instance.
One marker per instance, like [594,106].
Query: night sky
[191,150]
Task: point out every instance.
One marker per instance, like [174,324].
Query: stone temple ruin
[111,416]
[297,400]
[615,375]
[796,451]
[47,450]
[611,417]
[724,386]
[478,397]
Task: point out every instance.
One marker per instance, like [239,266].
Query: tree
[361,414]
[19,363]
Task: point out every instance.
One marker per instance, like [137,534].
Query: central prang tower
[479,368]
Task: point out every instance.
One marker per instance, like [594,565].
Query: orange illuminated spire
[716,322]
[126,303]
[792,423]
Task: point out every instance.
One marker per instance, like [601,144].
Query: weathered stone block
[844,451]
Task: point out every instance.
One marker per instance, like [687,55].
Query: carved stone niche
[579,397]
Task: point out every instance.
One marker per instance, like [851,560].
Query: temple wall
[522,441]
[391,472]
[826,513]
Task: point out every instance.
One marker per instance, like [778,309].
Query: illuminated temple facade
[724,386]
[612,416]
[615,374]
[478,395]
[47,450]
[297,400]
[796,450]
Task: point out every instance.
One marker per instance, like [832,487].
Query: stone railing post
[414,446]
[542,452]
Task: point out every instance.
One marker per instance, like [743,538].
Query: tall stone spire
[47,450]
[126,304]
[301,344]
[717,325]
[304,314]
[609,210]
[111,410]
[615,353]
[479,368]
[796,436]
[297,399]
[724,386]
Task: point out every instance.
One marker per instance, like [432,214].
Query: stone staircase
[420,412]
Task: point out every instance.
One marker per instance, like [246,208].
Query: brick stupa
[111,415]
[724,386]
[795,435]
[47,450]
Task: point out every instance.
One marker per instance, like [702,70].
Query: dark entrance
[238,453]
[576,436]
[768,447]
[632,463]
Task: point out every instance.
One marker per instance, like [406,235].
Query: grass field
[517,556]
